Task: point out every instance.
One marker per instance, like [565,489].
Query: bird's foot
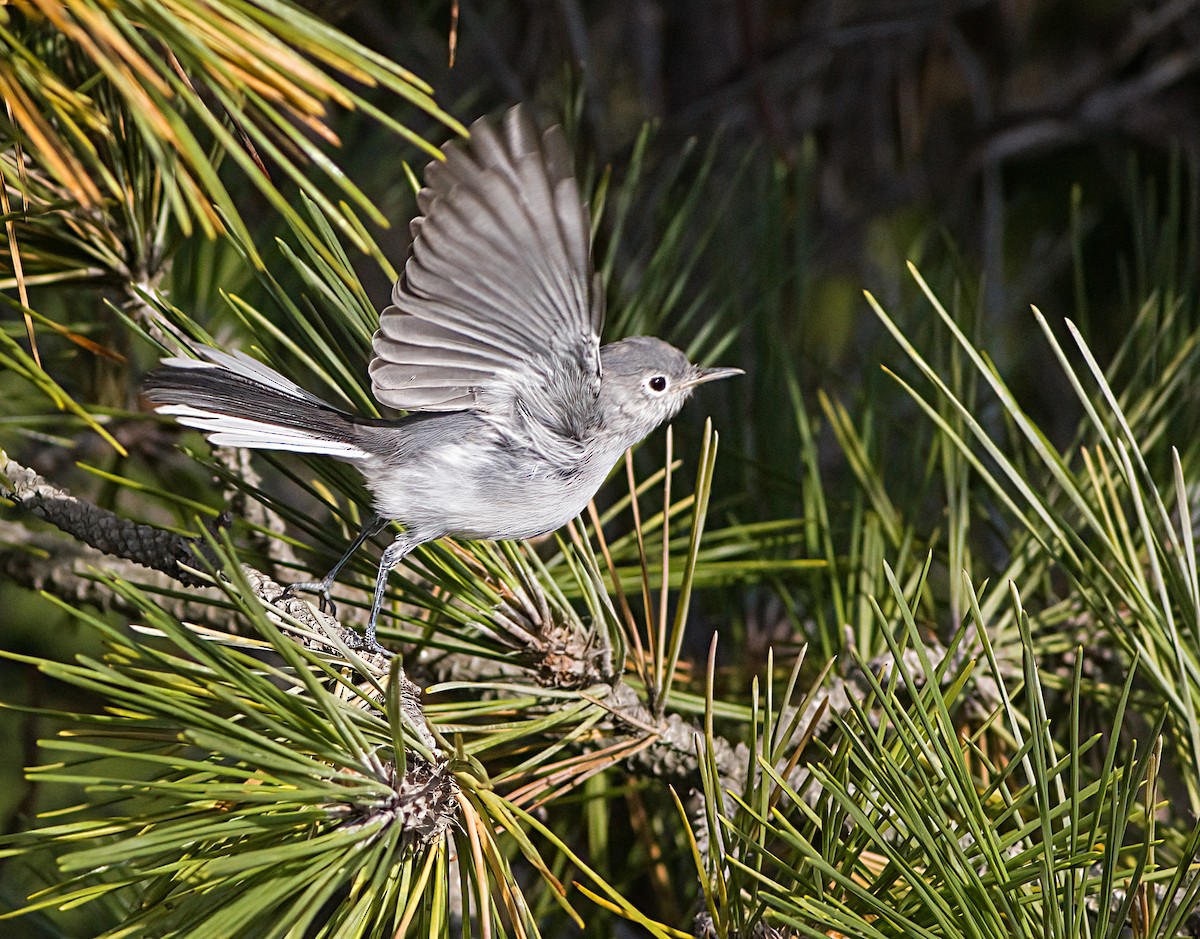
[320,588]
[368,644]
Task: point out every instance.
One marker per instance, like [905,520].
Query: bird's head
[645,382]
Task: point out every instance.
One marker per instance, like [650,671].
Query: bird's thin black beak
[711,374]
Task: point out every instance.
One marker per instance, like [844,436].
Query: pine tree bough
[557,660]
[550,652]
[177,556]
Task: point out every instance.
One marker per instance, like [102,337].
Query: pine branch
[558,660]
[179,557]
[556,656]
[44,561]
[164,551]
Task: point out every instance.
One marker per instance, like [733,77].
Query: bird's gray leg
[393,554]
[322,587]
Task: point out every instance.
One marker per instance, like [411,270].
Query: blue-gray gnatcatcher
[492,342]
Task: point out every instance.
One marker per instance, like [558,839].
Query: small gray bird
[492,343]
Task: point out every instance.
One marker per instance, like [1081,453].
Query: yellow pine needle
[277,71]
[18,272]
[568,774]
[47,145]
[473,825]
[631,631]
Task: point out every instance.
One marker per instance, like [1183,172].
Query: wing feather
[498,309]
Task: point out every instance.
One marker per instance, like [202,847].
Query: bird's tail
[238,401]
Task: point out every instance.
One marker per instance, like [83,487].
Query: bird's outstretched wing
[497,310]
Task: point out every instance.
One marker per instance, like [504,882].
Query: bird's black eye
[657,383]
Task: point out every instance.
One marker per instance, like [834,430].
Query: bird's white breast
[460,488]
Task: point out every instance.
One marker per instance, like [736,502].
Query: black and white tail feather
[239,402]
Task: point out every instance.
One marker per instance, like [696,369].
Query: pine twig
[164,551]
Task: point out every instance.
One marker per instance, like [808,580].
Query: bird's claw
[367,645]
[321,588]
